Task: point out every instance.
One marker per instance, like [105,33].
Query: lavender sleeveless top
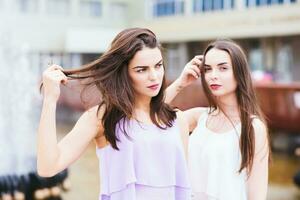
[150,164]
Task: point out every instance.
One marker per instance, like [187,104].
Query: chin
[223,94]
[153,94]
[218,94]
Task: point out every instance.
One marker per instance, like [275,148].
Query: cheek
[231,79]
[139,81]
[206,77]
[161,73]
[135,80]
[135,77]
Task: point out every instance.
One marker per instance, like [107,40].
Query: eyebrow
[222,63]
[147,66]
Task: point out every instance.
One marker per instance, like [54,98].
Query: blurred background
[71,33]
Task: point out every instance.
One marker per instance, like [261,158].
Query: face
[219,73]
[146,72]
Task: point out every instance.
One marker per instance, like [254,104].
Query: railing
[279,102]
[281,105]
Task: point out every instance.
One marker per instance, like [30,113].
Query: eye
[158,65]
[207,68]
[223,68]
[141,70]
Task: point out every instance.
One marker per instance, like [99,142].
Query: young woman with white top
[229,145]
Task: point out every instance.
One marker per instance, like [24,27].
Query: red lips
[153,87]
[215,86]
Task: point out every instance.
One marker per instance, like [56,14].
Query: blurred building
[72,32]
[66,32]
[268,29]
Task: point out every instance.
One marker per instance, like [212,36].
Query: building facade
[269,31]
[73,32]
[65,32]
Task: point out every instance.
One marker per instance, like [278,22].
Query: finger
[54,67]
[193,73]
[199,57]
[196,61]
[60,79]
[196,69]
[57,72]
[57,67]
[63,78]
[60,72]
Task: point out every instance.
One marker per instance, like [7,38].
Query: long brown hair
[246,98]
[109,74]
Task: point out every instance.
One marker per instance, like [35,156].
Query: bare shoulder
[95,112]
[192,116]
[196,112]
[259,126]
[93,118]
[261,134]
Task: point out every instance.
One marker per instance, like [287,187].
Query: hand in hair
[53,76]
[190,74]
[191,71]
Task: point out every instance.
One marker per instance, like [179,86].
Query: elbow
[43,171]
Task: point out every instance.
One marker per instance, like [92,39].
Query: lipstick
[153,87]
[215,86]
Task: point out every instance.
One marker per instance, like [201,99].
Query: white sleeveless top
[214,161]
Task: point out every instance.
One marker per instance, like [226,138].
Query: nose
[214,74]
[153,74]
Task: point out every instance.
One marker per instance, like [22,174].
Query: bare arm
[257,184]
[190,74]
[184,131]
[172,91]
[52,157]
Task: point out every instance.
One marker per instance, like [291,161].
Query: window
[211,5]
[168,7]
[90,8]
[118,11]
[27,6]
[176,58]
[256,59]
[58,7]
[284,58]
[253,3]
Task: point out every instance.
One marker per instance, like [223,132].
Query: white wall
[46,32]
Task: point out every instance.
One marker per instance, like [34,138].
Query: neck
[142,105]
[229,105]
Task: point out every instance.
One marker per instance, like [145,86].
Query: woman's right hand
[52,78]
[190,74]
[191,71]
